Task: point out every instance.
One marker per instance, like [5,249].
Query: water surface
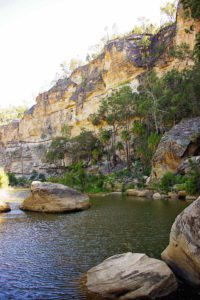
[44,256]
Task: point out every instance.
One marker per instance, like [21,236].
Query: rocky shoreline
[136,276]
[132,275]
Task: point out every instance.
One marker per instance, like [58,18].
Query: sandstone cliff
[181,142]
[72,100]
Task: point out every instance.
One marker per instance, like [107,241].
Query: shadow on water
[44,256]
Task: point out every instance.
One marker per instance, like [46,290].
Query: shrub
[77,177]
[193,179]
[189,182]
[168,181]
[13,181]
[191,186]
[194,7]
[23,181]
[37,176]
[4,181]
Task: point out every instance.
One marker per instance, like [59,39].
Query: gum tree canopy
[194,6]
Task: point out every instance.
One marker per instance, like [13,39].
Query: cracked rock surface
[131,276]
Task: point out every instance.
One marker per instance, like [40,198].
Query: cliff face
[176,146]
[72,100]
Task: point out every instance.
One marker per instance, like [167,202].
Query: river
[44,256]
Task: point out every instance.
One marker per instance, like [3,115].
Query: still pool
[44,256]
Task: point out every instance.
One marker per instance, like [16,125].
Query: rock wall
[72,100]
[181,142]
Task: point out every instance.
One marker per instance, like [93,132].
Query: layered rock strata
[72,100]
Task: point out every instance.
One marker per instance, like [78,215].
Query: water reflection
[43,256]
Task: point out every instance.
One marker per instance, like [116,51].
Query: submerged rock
[157,196]
[183,252]
[140,193]
[54,198]
[4,207]
[173,195]
[131,276]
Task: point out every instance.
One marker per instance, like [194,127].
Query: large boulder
[4,207]
[183,252]
[131,276]
[54,198]
[181,142]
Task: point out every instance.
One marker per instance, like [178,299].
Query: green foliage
[66,131]
[67,68]
[57,149]
[105,136]
[169,11]
[13,181]
[138,128]
[163,102]
[192,8]
[4,181]
[168,181]
[182,51]
[153,141]
[116,111]
[145,143]
[95,119]
[197,47]
[192,183]
[144,26]
[83,147]
[37,176]
[77,177]
[12,113]
[144,44]
[189,182]
[23,181]
[135,122]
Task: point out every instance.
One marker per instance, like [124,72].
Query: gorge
[73,100]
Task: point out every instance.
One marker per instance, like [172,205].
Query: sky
[36,36]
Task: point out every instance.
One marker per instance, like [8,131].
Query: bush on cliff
[3,179]
[192,7]
[7,115]
[84,147]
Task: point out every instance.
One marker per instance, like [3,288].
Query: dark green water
[44,256]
